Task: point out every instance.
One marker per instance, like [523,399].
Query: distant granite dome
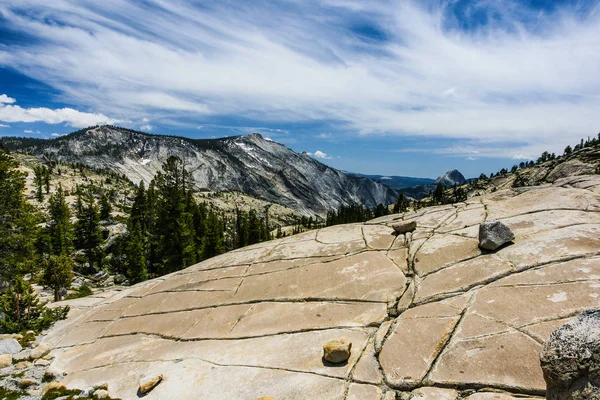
[451,178]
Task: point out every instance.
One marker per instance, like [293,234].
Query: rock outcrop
[425,311]
[571,359]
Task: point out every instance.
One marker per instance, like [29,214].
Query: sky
[389,87]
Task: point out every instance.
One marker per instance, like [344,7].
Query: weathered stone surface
[431,393]
[494,234]
[252,323]
[425,337]
[9,346]
[337,351]
[571,359]
[363,392]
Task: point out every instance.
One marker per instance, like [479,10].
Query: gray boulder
[493,234]
[570,359]
[10,346]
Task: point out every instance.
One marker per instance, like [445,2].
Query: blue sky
[391,87]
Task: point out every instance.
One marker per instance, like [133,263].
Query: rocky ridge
[428,313]
[248,164]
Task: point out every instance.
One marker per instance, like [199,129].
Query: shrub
[23,311]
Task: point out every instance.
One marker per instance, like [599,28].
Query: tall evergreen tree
[60,228]
[38,179]
[175,235]
[58,273]
[18,222]
[105,207]
[87,230]
[137,270]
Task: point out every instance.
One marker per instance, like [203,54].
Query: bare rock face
[571,359]
[493,234]
[337,351]
[253,322]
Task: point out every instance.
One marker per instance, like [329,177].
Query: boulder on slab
[404,226]
[337,351]
[39,352]
[5,360]
[570,359]
[10,346]
[493,234]
[148,383]
[101,394]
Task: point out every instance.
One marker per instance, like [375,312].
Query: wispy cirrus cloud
[386,67]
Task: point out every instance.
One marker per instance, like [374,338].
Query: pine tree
[136,255]
[87,230]
[175,234]
[18,222]
[254,228]
[213,240]
[105,207]
[23,311]
[60,228]
[38,179]
[58,273]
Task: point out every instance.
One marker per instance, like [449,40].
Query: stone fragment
[26,382]
[22,365]
[337,351]
[148,383]
[5,360]
[23,355]
[9,346]
[54,386]
[404,226]
[389,395]
[432,393]
[39,352]
[41,362]
[570,359]
[493,234]
[101,394]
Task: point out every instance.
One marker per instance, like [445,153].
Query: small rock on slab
[39,352]
[10,346]
[570,359]
[101,394]
[5,360]
[337,351]
[403,226]
[25,383]
[493,234]
[148,383]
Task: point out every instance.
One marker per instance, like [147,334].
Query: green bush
[82,291]
[23,311]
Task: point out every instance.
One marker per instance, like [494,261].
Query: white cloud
[146,127]
[4,126]
[15,113]
[30,131]
[5,99]
[145,120]
[528,75]
[57,134]
[320,154]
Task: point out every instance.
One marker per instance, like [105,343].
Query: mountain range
[250,164]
